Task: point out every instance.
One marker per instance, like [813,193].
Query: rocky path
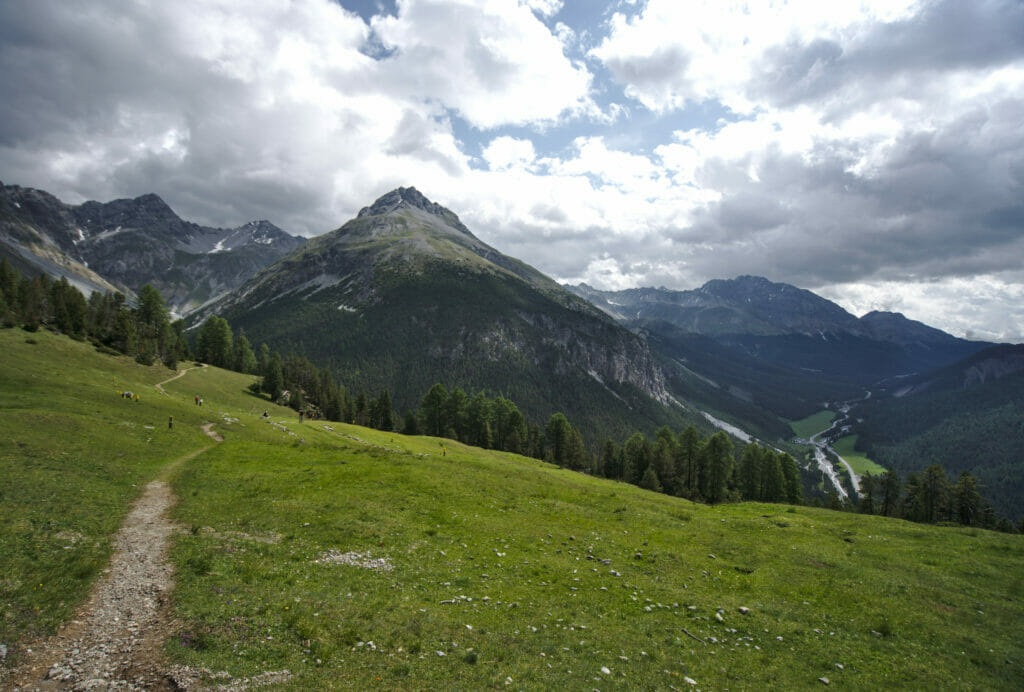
[114,641]
[160,385]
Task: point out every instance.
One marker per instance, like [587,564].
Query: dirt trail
[114,640]
[160,385]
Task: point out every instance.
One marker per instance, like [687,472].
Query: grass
[73,455]
[844,447]
[813,424]
[508,572]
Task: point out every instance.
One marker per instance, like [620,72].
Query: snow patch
[346,308]
[219,247]
[17,205]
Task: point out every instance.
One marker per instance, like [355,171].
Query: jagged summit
[411,198]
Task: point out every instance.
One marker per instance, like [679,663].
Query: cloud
[508,152]
[494,63]
[852,144]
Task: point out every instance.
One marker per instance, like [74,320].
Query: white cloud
[877,143]
[508,152]
[545,8]
[958,305]
[493,62]
[677,52]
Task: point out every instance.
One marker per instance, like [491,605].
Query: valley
[405,296]
[317,554]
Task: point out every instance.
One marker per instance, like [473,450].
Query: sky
[871,151]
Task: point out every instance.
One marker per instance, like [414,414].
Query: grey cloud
[413,136]
[947,35]
[664,63]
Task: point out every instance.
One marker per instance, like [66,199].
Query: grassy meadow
[367,560]
[813,424]
[860,463]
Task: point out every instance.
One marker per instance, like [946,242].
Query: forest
[706,469]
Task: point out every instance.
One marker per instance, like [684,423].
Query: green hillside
[366,560]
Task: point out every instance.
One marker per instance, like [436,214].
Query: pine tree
[664,460]
[576,454]
[273,380]
[934,494]
[890,493]
[716,464]
[432,411]
[867,494]
[773,482]
[244,359]
[687,462]
[791,472]
[611,459]
[638,458]
[650,480]
[410,426]
[214,342]
[966,499]
[385,416]
[750,472]
[557,434]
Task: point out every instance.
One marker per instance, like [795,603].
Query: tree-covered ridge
[705,469]
[144,332]
[959,420]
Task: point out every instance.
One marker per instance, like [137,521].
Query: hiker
[170,423]
[300,416]
[266,415]
[197,399]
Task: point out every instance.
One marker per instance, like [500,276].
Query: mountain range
[127,243]
[405,295]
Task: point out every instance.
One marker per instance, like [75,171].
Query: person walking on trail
[300,416]
[170,423]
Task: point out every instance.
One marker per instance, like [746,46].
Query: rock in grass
[824,681]
[744,610]
[689,681]
[604,669]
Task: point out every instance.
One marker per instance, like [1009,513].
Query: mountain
[790,326]
[404,295]
[34,238]
[127,243]
[966,417]
[759,353]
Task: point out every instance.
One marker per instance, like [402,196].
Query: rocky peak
[411,198]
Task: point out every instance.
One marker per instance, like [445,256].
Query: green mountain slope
[356,559]
[966,417]
[404,296]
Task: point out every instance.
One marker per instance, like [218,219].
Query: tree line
[931,498]
[706,469]
[144,332]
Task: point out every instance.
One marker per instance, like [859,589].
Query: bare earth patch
[114,641]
